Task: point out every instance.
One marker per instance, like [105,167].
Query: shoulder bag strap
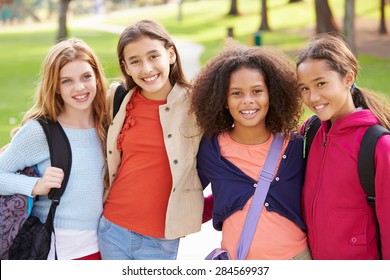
[265,179]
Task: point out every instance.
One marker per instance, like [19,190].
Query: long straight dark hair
[153,30]
[334,50]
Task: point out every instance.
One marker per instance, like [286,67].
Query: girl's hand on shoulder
[51,179]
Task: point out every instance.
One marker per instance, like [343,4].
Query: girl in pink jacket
[341,224]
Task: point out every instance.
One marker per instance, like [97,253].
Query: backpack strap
[366,164]
[119,95]
[366,167]
[61,157]
[311,128]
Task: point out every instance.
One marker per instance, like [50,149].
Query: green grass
[22,49]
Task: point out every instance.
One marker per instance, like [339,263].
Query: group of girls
[137,179]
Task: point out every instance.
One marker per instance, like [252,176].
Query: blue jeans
[118,243]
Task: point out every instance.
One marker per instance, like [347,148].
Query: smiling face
[248,100]
[148,62]
[77,86]
[325,91]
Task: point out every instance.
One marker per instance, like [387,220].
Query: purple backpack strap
[265,179]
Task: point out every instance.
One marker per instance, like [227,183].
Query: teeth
[248,112]
[319,107]
[151,78]
[78,97]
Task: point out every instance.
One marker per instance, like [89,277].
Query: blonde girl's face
[77,86]
[148,62]
[248,99]
[324,91]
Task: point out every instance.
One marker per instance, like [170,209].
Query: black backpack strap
[119,95]
[366,164]
[310,130]
[61,157]
[366,167]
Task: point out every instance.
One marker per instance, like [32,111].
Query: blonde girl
[71,91]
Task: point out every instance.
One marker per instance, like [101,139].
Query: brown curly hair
[211,85]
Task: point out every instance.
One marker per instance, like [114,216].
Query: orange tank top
[276,237]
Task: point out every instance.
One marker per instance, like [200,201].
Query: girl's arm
[27,148]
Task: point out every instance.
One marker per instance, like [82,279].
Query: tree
[62,13]
[349,24]
[179,10]
[324,17]
[264,17]
[50,8]
[233,8]
[382,26]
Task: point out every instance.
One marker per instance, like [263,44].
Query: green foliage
[22,49]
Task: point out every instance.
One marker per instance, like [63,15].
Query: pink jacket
[341,224]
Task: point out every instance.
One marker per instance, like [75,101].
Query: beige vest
[181,137]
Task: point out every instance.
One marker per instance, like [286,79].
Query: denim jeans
[118,243]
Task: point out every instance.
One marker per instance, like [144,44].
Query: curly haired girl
[242,98]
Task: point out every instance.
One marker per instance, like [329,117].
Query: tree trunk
[325,20]
[179,10]
[233,9]
[62,12]
[264,17]
[349,24]
[382,26]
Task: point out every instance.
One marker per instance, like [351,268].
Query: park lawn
[205,22]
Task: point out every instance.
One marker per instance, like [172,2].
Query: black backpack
[366,166]
[119,95]
[27,238]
